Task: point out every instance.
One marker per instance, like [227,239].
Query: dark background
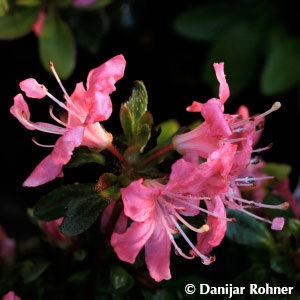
[171,67]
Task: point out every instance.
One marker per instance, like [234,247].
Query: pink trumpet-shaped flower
[85,108]
[11,296]
[7,247]
[156,209]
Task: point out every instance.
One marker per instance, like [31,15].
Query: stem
[157,154]
[117,154]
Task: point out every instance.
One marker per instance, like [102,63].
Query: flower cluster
[158,206]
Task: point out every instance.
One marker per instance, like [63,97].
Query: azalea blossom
[7,247]
[11,296]
[156,209]
[219,128]
[86,107]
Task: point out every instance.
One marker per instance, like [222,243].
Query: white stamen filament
[170,234]
[234,140]
[69,100]
[188,197]
[284,205]
[255,216]
[205,260]
[274,107]
[41,145]
[241,129]
[55,118]
[202,229]
[250,179]
[262,149]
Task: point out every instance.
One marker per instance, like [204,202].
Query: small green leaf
[281,265]
[82,156]
[168,128]
[147,118]
[120,279]
[56,44]
[17,22]
[281,71]
[138,101]
[31,270]
[127,123]
[3,7]
[111,193]
[248,231]
[280,171]
[205,22]
[82,212]
[143,136]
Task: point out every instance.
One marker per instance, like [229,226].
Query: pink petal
[100,83]
[139,200]
[39,23]
[223,88]
[212,112]
[106,214]
[32,88]
[277,223]
[195,107]
[95,136]
[65,145]
[157,253]
[21,111]
[212,238]
[243,111]
[44,172]
[82,107]
[197,141]
[11,296]
[128,245]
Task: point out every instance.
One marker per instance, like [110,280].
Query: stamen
[188,197]
[255,160]
[263,149]
[255,204]
[250,179]
[274,107]
[257,127]
[55,118]
[255,216]
[69,100]
[202,229]
[234,140]
[205,260]
[41,145]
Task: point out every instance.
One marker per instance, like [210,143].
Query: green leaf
[143,136]
[82,156]
[280,171]
[3,7]
[205,22]
[281,70]
[121,279]
[168,128]
[127,123]
[281,265]
[294,227]
[54,205]
[138,101]
[82,212]
[31,270]
[111,193]
[18,22]
[238,49]
[248,231]
[56,44]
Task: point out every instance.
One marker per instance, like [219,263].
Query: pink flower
[85,108]
[52,232]
[7,248]
[39,23]
[220,128]
[155,209]
[11,296]
[81,3]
